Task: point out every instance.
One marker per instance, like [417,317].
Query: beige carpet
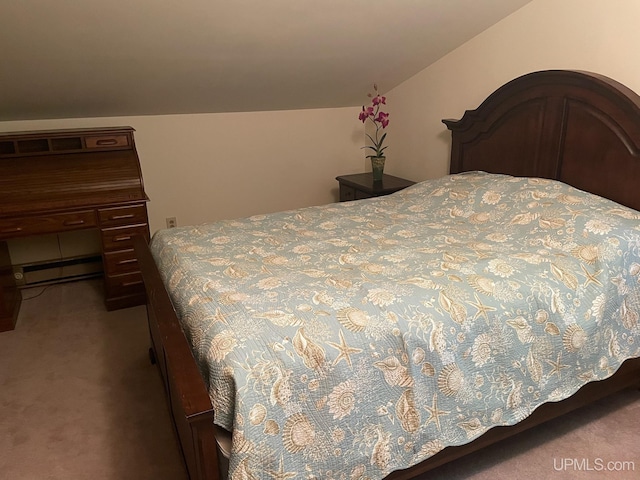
[78,396]
[79,400]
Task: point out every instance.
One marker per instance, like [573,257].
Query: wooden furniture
[581,128]
[10,298]
[60,180]
[361,185]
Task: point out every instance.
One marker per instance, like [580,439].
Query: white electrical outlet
[171,222]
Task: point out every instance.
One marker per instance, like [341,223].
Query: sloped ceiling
[90,58]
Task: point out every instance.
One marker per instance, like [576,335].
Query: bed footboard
[188,399]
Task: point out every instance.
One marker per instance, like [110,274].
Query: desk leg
[10,297]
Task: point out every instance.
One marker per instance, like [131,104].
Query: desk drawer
[107,141]
[117,263]
[129,284]
[130,215]
[122,238]
[36,225]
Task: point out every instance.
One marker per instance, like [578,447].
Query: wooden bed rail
[187,395]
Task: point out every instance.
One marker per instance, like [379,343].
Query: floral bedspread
[349,340]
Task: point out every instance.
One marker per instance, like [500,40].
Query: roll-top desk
[60,180]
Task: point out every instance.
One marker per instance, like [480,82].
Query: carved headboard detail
[577,127]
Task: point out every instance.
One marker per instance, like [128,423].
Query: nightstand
[361,185]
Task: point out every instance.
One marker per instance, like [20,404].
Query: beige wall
[207,167]
[591,35]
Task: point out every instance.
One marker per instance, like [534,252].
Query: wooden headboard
[577,127]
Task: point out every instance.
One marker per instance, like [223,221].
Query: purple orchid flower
[379,100]
[383,119]
[366,113]
[379,119]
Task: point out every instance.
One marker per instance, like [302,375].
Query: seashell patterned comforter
[349,340]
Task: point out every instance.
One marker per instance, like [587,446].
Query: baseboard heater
[56,271]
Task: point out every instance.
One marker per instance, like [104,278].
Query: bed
[382,338]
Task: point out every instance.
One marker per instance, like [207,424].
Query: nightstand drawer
[360,195]
[347,193]
[361,185]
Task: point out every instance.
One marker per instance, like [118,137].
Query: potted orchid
[380,120]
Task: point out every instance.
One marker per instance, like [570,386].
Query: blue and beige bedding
[353,339]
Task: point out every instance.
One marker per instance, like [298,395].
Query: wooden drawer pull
[131,284]
[121,217]
[12,230]
[122,239]
[70,223]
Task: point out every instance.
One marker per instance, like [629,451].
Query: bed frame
[577,127]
